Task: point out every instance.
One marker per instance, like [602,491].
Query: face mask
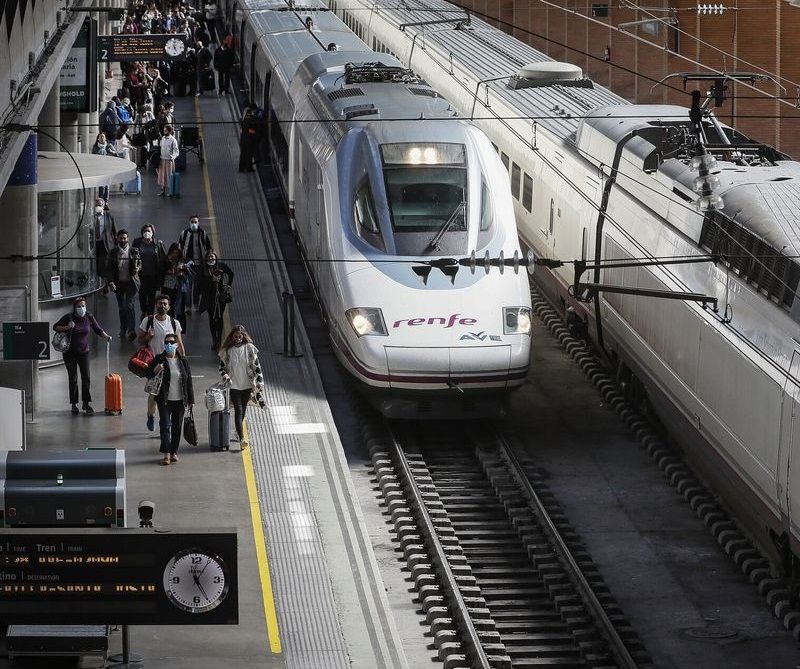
[98,209]
[193,227]
[211,263]
[80,311]
[169,349]
[147,235]
[123,245]
[161,310]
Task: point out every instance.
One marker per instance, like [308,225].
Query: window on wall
[515,179]
[600,9]
[527,192]
[505,160]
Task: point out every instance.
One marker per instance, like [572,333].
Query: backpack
[150,323]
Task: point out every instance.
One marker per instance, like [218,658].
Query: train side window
[366,221]
[552,215]
[515,179]
[494,146]
[504,158]
[527,192]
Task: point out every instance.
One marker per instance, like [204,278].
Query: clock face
[195,581]
[174,47]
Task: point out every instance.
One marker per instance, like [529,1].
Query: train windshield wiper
[434,243]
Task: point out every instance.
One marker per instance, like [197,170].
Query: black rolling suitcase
[219,427]
[207,79]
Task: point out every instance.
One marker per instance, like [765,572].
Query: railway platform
[310,593]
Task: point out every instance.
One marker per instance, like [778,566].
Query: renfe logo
[437,320]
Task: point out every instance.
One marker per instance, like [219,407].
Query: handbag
[215,398]
[62,340]
[189,429]
[140,361]
[225,294]
[153,385]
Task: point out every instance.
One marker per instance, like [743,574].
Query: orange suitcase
[113,386]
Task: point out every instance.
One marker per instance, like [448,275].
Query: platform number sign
[26,340]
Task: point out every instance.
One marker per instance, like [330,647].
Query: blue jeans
[127,315]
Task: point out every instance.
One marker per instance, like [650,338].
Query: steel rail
[616,644]
[457,605]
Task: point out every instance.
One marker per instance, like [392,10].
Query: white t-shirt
[237,368]
[161,330]
[175,387]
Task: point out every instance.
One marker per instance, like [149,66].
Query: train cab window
[486,208]
[515,179]
[366,221]
[527,192]
[426,188]
[505,160]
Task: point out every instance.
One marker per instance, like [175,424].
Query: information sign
[78,75]
[118,576]
[119,48]
[26,340]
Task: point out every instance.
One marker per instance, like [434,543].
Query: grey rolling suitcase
[219,427]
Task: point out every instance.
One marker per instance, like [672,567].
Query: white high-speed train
[596,178]
[387,192]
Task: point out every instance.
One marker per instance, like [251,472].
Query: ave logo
[480,336]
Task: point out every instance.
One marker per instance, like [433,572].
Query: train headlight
[367,321]
[517,320]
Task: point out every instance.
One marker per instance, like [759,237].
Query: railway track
[502,579]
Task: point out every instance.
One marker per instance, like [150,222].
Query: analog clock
[174,47]
[195,581]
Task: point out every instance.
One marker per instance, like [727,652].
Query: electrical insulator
[706,10]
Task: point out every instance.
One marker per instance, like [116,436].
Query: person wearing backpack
[152,332]
[79,323]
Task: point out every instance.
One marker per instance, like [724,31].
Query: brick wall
[760,34]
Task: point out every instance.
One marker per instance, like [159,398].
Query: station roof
[58,172]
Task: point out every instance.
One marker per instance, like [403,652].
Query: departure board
[118,576]
[120,48]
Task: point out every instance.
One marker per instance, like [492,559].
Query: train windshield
[426,186]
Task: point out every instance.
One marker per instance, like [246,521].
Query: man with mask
[152,332]
[194,244]
[154,260]
[105,234]
[122,273]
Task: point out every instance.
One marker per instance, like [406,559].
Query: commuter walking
[175,283]
[210,11]
[78,323]
[153,330]
[239,365]
[248,138]
[169,152]
[174,397]
[223,63]
[216,279]
[204,59]
[109,120]
[102,147]
[154,261]
[105,234]
[122,270]
[194,243]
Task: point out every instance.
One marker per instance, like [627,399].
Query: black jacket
[209,289]
[223,59]
[185,242]
[112,265]
[186,377]
[161,257]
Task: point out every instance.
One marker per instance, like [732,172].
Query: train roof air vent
[549,73]
[345,93]
[359,110]
[423,91]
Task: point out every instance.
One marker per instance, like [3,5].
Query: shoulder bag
[62,340]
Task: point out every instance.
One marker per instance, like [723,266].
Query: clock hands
[197,582]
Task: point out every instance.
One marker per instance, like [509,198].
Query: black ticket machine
[63,488]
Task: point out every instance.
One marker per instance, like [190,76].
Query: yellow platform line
[267,595]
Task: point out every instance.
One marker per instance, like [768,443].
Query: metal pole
[289,344]
[127,659]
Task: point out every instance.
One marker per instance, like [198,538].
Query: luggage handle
[108,357]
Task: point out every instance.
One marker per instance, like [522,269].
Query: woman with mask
[79,322]
[174,397]
[175,283]
[169,152]
[238,364]
[216,279]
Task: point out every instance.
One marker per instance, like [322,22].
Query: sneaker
[245,444]
[165,461]
[75,409]
[87,409]
[151,422]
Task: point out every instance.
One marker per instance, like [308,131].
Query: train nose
[437,366]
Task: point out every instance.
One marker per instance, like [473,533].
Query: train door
[789,450]
[253,92]
[588,216]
